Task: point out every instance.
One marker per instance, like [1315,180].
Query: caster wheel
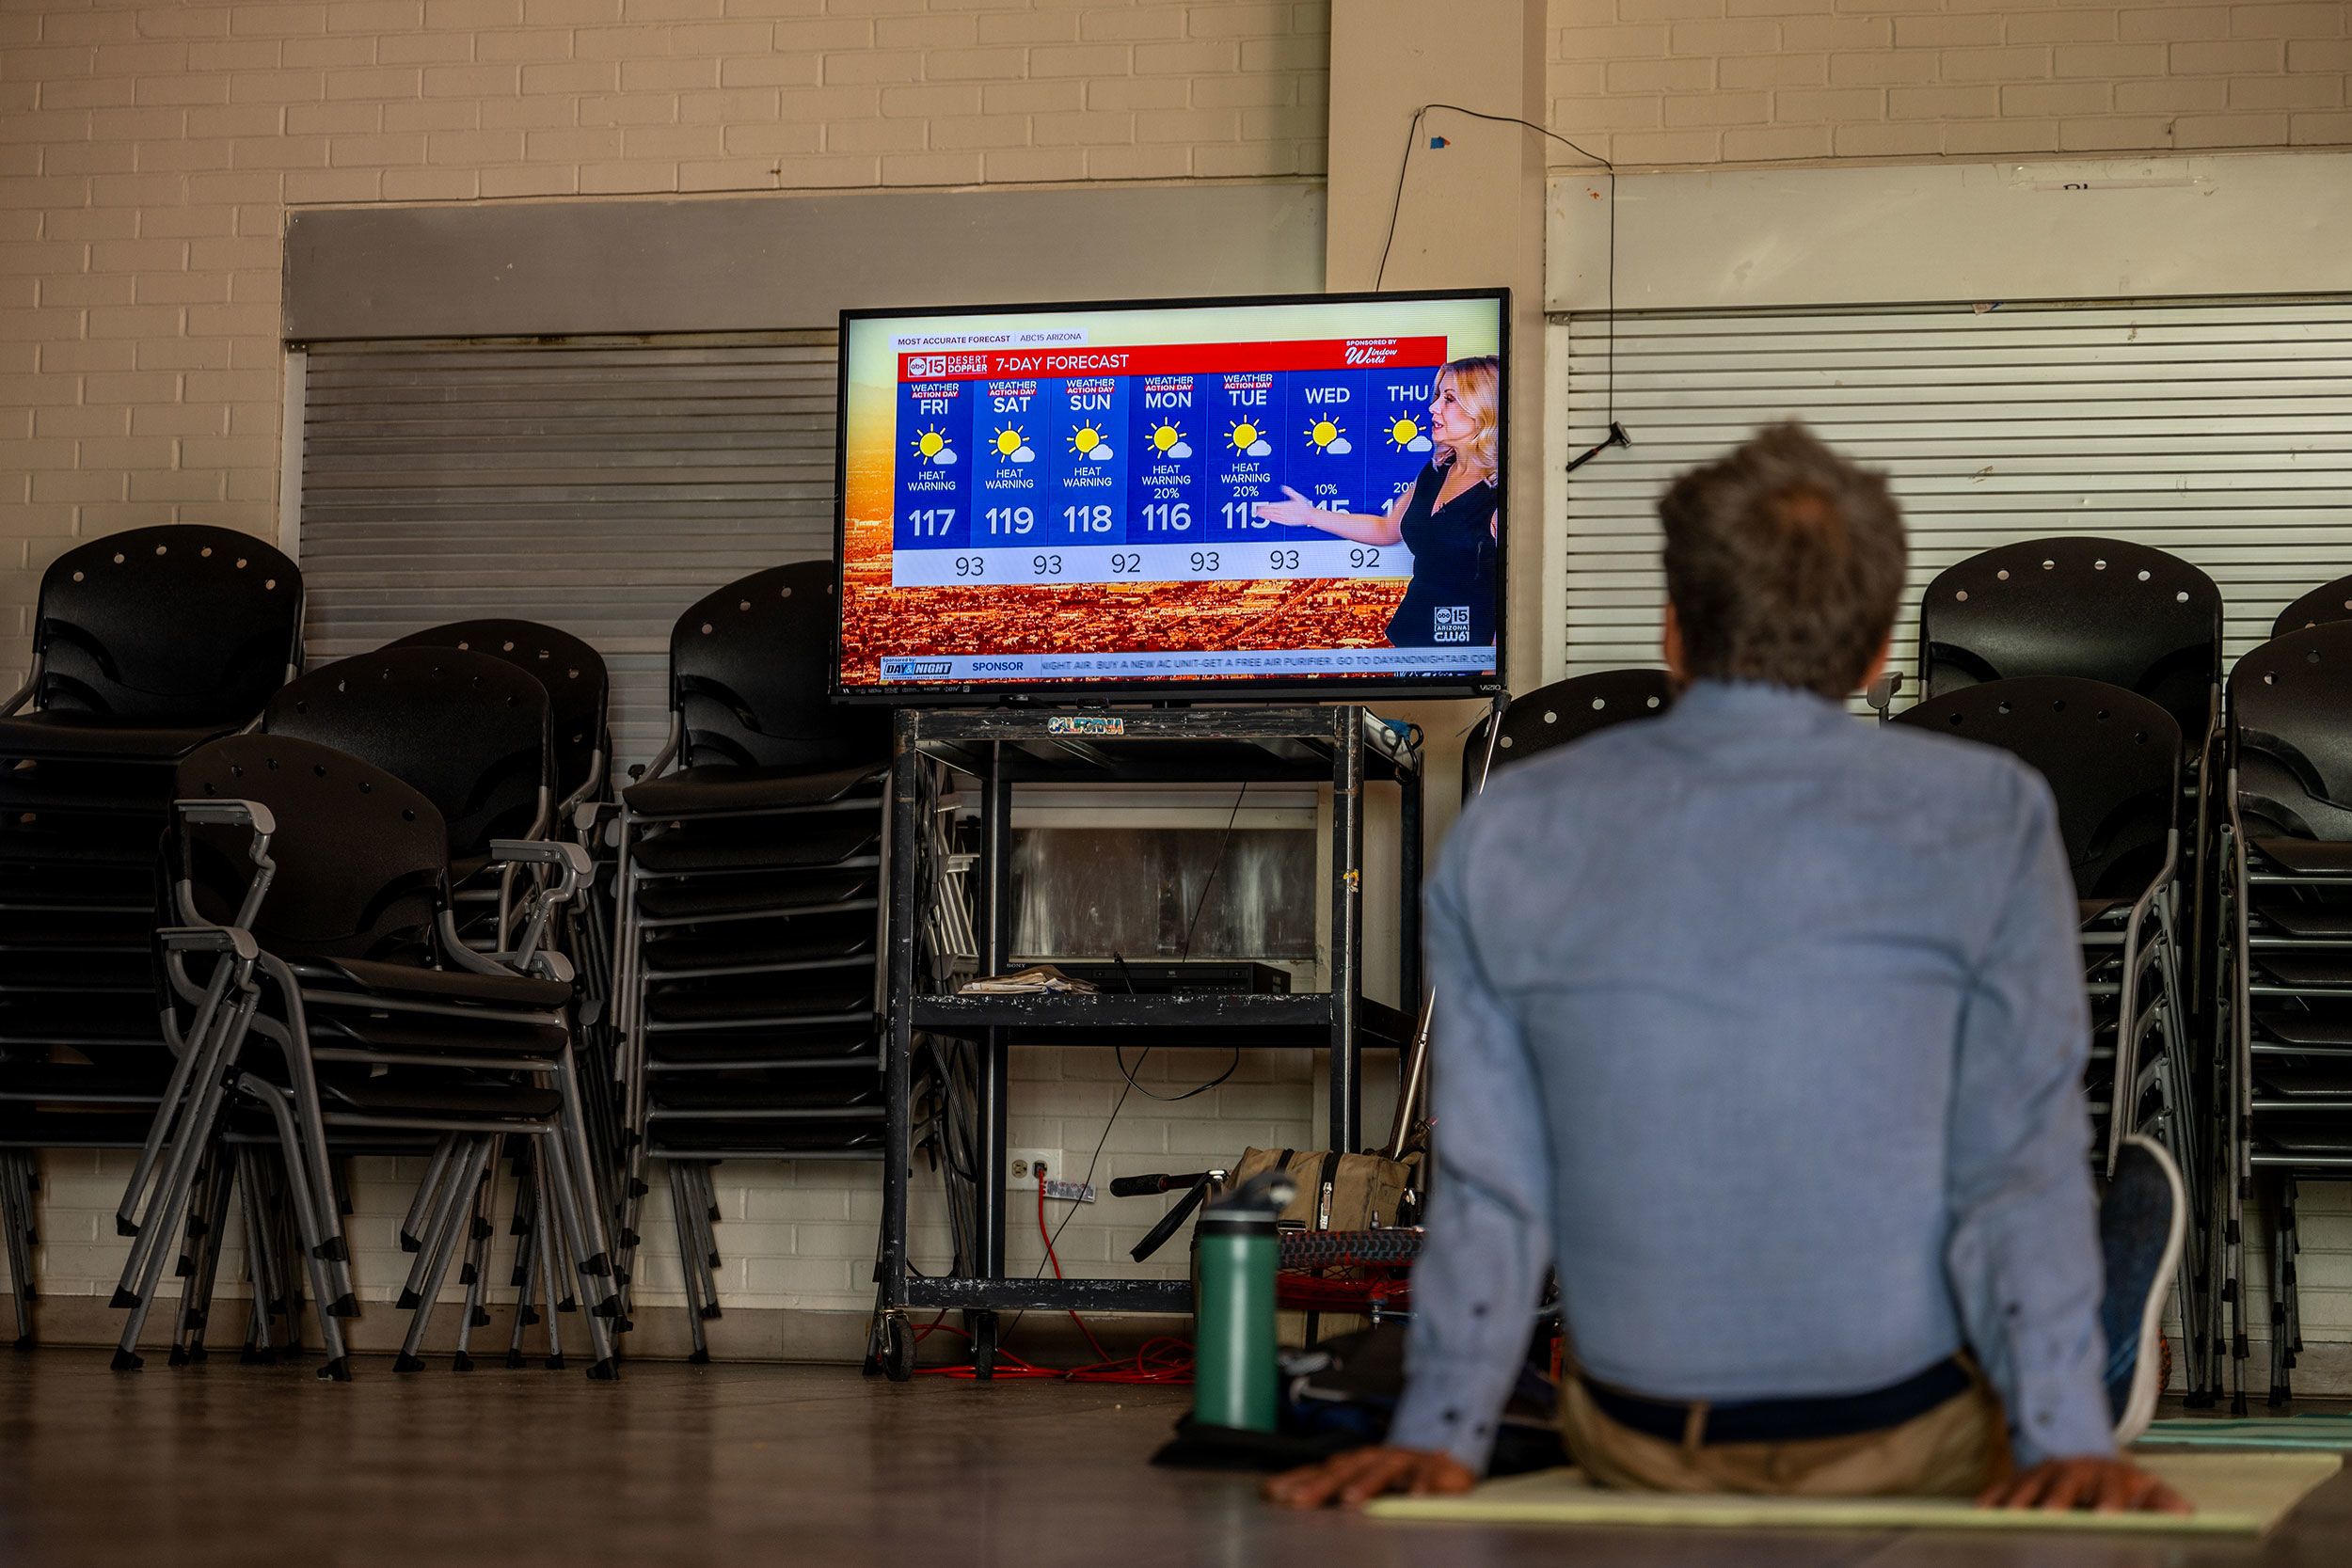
[892,1350]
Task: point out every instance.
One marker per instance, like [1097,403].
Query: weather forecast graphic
[1114,495]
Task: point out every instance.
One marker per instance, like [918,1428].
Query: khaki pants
[1956,1450]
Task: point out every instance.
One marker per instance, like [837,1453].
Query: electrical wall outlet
[1023,1166]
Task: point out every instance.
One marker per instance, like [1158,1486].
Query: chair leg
[412,1223]
[196,1297]
[260,1267]
[681,1205]
[569,1195]
[194,1125]
[167,1221]
[548,1235]
[416,1230]
[208,1019]
[312,1230]
[2291,1248]
[441,1244]
[472,1316]
[16,1196]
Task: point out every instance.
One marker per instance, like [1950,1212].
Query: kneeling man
[1769,1026]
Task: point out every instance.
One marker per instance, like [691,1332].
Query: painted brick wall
[803,1235]
[149,154]
[1679,81]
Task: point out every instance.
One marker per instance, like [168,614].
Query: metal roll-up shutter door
[2220,431]
[597,484]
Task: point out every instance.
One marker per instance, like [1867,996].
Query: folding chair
[319,884]
[2113,763]
[2287,992]
[145,646]
[749,929]
[1563,711]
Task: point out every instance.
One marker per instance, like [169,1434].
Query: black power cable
[1396,203]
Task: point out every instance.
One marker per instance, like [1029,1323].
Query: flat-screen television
[1252,497]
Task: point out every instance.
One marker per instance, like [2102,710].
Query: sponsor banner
[961,668]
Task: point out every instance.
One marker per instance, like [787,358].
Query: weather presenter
[1449,517]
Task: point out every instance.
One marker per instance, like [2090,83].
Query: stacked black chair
[578,691]
[472,729]
[749,990]
[2103,609]
[579,688]
[2135,617]
[2287,994]
[146,645]
[2330,601]
[2113,761]
[319,888]
[1563,711]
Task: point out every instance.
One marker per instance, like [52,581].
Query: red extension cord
[1162,1360]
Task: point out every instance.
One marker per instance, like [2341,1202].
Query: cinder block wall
[149,155]
[1675,82]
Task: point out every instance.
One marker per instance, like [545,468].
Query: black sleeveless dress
[1451,601]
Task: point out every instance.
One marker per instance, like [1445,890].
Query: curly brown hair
[1784,564]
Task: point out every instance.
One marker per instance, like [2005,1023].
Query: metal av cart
[1002,747]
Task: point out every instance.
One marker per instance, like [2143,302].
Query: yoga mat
[2329,1433]
[2235,1493]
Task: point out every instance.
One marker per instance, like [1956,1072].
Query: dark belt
[1787,1420]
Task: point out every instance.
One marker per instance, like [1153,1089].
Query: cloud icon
[1339,448]
[1179,449]
[1419,443]
[1024,455]
[1099,454]
[1261,448]
[945,456]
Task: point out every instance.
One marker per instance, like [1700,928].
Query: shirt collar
[1758,707]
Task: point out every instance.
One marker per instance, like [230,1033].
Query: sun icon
[1326,437]
[1243,436]
[1009,440]
[1402,434]
[1165,437]
[1085,438]
[933,446]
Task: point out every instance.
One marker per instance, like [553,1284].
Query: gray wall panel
[753,264]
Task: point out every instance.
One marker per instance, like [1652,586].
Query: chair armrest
[234,940]
[228,814]
[570,860]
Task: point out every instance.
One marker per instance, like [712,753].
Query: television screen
[1250,497]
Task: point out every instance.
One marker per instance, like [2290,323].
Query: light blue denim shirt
[1769,1027]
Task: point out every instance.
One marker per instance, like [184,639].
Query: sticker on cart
[1085,724]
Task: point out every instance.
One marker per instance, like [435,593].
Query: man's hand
[1354,1479]
[2094,1486]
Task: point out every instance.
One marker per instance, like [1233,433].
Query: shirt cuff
[1452,1407]
[2059,1420]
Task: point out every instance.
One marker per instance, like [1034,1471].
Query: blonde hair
[1478,387]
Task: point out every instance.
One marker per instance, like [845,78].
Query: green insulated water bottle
[1233,1376]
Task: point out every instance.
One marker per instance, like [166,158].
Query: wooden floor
[248,1466]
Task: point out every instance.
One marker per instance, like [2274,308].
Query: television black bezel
[1061,692]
